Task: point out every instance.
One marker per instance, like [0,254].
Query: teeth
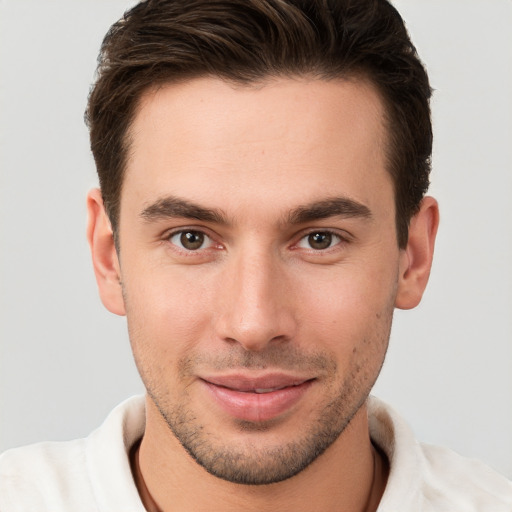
[268,390]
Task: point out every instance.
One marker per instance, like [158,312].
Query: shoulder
[429,478]
[85,475]
[468,483]
[40,476]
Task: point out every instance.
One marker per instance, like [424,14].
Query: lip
[257,399]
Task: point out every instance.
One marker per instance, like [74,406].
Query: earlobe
[104,255]
[416,258]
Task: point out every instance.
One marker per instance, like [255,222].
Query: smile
[257,399]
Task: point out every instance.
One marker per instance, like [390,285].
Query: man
[263,167]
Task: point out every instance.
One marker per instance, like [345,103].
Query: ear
[104,254]
[416,258]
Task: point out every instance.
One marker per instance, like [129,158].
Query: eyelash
[334,236]
[341,239]
[180,232]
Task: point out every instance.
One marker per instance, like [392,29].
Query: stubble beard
[251,464]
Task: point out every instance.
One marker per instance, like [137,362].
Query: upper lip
[239,382]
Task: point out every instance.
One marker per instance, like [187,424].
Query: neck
[350,476]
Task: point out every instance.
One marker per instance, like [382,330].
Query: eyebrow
[331,207]
[171,207]
[174,207]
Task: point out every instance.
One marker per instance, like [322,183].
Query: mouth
[257,399]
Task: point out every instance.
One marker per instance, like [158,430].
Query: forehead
[210,138]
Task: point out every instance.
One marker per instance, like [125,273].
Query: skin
[298,273]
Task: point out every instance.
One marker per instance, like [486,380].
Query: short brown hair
[245,41]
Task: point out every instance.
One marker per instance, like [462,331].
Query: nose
[256,303]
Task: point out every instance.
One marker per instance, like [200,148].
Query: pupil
[192,240]
[320,240]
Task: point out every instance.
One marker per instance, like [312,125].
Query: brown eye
[190,240]
[319,240]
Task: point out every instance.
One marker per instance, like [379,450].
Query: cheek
[164,323]
[166,311]
[351,309]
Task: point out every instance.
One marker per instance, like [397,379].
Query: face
[259,266]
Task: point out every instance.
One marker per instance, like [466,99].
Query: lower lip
[257,407]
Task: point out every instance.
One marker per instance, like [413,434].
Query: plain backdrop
[65,361]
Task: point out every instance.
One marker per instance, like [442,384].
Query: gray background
[65,361]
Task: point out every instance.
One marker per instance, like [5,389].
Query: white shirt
[94,475]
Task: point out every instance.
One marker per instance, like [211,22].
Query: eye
[319,240]
[191,240]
